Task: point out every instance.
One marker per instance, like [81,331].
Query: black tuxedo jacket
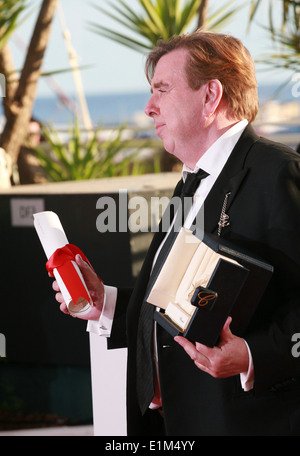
[264,209]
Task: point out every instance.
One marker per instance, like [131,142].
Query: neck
[212,134]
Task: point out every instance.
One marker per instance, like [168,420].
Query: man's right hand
[95,287]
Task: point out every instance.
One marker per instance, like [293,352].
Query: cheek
[182,116]
[184,113]
[176,120]
[183,126]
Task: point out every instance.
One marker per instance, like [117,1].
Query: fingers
[64,308]
[188,346]
[94,285]
[194,352]
[59,298]
[55,286]
[228,358]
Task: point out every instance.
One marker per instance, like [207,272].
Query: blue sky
[115,68]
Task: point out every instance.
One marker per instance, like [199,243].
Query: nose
[151,108]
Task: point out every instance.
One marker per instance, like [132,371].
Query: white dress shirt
[212,162]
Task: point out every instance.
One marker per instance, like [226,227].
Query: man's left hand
[230,357]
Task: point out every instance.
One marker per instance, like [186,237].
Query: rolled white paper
[53,237]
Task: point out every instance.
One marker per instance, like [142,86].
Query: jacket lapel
[229,181]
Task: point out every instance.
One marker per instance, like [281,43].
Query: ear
[213,96]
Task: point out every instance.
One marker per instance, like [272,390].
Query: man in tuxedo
[204,97]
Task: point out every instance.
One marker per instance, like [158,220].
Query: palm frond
[10,12]
[223,15]
[155,19]
[286,36]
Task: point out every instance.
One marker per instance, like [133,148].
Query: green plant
[286,33]
[88,158]
[10,12]
[158,19]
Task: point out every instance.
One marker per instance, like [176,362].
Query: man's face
[176,109]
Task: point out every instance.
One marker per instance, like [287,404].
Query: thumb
[78,259]
[226,331]
[83,265]
[87,271]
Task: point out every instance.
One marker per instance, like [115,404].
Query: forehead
[171,66]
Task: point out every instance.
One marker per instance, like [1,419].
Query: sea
[113,109]
[107,110]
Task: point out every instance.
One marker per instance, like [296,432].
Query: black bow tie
[189,188]
[192,182]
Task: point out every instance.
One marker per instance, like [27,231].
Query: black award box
[201,282]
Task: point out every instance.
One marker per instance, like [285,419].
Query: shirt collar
[214,159]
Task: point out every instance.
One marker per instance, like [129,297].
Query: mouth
[158,128]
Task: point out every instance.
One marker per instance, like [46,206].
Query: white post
[108,370]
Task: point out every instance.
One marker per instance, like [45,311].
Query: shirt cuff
[103,326]
[247,378]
